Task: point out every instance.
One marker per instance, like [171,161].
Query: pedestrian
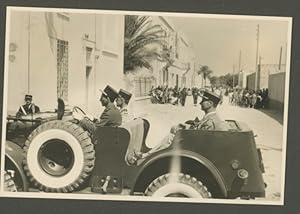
[195,93]
[183,95]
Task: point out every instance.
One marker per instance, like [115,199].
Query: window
[62,69]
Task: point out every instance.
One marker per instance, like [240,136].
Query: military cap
[125,95]
[210,96]
[110,92]
[28,97]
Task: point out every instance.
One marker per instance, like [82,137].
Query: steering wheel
[82,113]
[79,111]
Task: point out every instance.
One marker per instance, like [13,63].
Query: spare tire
[59,156]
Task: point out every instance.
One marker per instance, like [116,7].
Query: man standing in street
[111,116]
[28,108]
[195,94]
[122,102]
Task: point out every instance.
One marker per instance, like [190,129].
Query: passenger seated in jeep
[122,102]
[111,116]
[28,108]
[210,121]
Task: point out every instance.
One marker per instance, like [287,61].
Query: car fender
[187,154]
[15,154]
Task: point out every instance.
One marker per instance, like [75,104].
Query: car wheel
[9,183]
[177,185]
[59,156]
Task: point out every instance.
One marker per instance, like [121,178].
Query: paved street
[268,131]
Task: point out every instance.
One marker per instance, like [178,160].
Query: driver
[111,116]
[28,108]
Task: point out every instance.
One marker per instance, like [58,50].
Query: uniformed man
[111,116]
[122,102]
[211,120]
[28,108]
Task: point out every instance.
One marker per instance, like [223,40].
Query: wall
[251,81]
[265,70]
[35,60]
[276,88]
[34,68]
[18,63]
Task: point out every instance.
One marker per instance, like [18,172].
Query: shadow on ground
[276,115]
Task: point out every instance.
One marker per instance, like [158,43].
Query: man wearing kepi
[111,116]
[28,108]
[210,121]
[122,102]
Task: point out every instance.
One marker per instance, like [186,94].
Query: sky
[217,42]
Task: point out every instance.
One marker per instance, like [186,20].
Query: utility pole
[28,54]
[239,71]
[233,76]
[256,61]
[259,72]
[240,59]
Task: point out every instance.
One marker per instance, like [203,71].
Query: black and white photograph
[145,106]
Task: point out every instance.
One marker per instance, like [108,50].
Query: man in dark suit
[195,94]
[111,116]
[28,108]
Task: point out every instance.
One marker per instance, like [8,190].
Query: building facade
[181,72]
[64,55]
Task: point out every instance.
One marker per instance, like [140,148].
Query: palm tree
[141,40]
[205,72]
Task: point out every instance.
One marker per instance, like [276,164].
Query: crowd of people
[175,95]
[249,98]
[242,97]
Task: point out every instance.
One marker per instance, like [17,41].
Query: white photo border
[94,196]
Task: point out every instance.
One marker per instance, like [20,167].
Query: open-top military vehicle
[60,156]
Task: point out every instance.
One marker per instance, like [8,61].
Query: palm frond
[142,42]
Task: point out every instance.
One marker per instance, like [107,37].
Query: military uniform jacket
[28,109]
[126,116]
[212,121]
[111,116]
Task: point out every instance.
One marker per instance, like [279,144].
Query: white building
[182,72]
[67,55]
